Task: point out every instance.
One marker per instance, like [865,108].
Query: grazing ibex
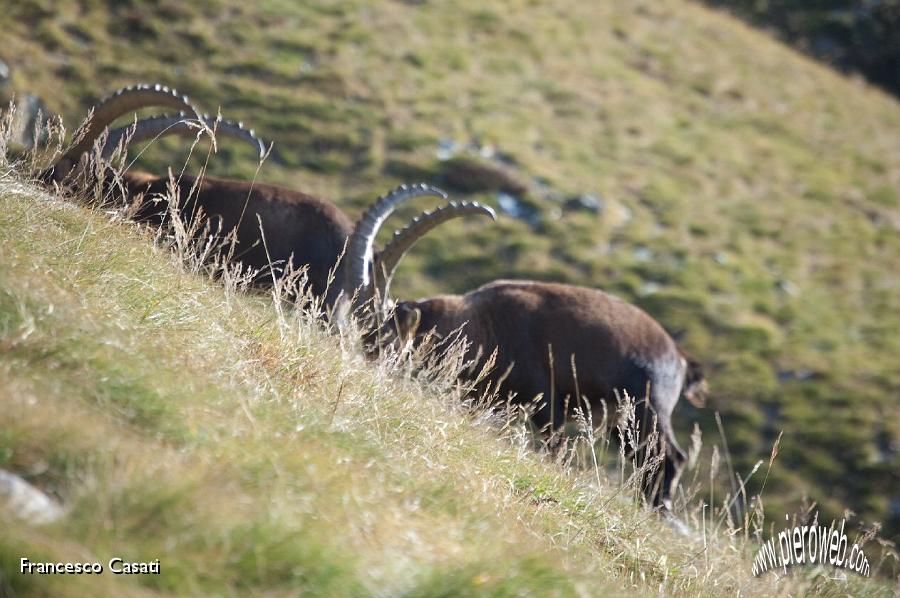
[273,225]
[615,346]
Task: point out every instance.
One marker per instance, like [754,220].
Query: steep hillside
[744,195]
[251,453]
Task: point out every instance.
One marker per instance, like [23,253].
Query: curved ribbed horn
[154,127]
[127,99]
[387,261]
[359,247]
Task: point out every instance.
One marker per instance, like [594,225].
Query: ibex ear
[408,319]
[412,321]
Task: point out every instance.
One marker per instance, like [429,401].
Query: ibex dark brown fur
[272,224]
[616,347]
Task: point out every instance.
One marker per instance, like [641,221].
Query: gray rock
[517,208]
[649,288]
[487,151]
[543,184]
[25,501]
[447,148]
[787,287]
[642,254]
[585,202]
[800,375]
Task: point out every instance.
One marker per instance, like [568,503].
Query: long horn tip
[486,210]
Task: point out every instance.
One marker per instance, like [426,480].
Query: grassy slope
[764,185]
[252,454]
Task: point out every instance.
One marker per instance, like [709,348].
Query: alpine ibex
[273,225]
[614,345]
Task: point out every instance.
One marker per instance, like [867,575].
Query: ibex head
[367,276]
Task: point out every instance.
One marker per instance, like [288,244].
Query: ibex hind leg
[548,419]
[654,391]
[665,388]
[657,440]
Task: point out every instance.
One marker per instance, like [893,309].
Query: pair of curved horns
[183,124]
[360,251]
[123,101]
[403,240]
